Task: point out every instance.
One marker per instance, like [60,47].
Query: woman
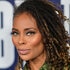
[39,36]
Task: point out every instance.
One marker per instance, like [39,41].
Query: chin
[25,58]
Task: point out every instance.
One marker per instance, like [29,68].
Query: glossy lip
[23,51]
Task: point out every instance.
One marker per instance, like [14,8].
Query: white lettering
[7,53]
[66,4]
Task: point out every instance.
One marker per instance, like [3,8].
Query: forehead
[24,13]
[25,20]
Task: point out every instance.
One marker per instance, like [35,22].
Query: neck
[35,64]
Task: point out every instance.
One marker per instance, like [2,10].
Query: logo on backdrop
[66,5]
[7,53]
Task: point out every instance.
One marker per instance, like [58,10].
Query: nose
[21,39]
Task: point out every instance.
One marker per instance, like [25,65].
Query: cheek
[36,40]
[14,40]
[36,43]
[37,47]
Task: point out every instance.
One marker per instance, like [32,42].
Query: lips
[23,52]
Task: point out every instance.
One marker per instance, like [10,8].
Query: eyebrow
[24,29]
[14,29]
[29,29]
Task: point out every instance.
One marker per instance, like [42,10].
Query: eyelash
[14,33]
[27,33]
[30,33]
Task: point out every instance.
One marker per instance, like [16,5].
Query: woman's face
[26,37]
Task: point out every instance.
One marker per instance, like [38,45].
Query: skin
[28,40]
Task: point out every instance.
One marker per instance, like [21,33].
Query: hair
[50,21]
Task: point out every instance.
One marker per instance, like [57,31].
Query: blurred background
[8,54]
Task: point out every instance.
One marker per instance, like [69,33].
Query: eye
[29,33]
[14,33]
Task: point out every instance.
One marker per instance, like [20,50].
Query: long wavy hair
[50,21]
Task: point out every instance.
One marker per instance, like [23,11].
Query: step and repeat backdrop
[8,54]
